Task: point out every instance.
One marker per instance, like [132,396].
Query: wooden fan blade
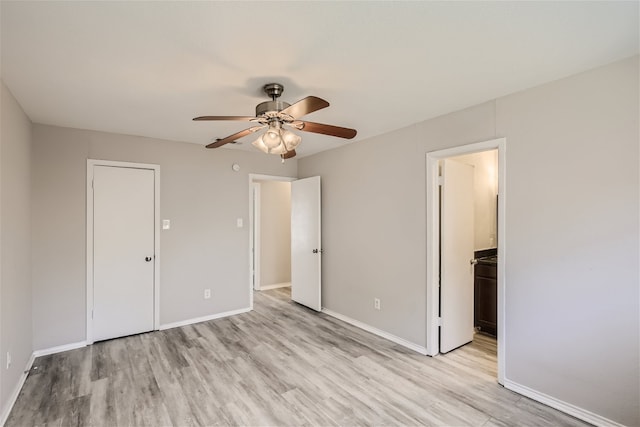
[240,118]
[338,131]
[231,138]
[305,106]
[288,154]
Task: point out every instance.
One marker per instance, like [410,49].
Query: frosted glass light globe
[272,138]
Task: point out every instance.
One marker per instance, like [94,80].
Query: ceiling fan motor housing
[274,90]
[270,106]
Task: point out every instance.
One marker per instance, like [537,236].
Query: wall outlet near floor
[207,293]
[376,303]
[8,360]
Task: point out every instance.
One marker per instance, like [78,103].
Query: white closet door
[123,250]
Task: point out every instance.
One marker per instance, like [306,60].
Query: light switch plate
[239,223]
[166,224]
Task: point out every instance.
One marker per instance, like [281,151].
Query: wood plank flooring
[280,364]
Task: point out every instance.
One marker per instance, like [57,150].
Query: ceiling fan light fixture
[277,140]
[272,138]
[290,139]
[280,149]
[260,144]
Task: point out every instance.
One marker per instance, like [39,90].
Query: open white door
[123,251]
[456,253]
[306,252]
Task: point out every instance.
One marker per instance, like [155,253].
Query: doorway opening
[305,239]
[270,232]
[455,252]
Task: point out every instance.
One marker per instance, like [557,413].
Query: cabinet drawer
[484,270]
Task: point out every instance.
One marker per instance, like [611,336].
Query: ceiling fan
[277,117]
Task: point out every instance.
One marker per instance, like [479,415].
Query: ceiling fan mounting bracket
[274,90]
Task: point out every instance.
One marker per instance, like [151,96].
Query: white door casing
[255,233]
[306,252]
[457,244]
[122,249]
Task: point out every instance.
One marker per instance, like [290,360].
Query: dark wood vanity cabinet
[486,297]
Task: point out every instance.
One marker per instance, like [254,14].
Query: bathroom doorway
[465,234]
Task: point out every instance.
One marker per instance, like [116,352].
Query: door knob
[315,251]
[148,258]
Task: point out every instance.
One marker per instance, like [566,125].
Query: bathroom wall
[485,183]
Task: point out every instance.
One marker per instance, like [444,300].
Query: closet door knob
[148,258]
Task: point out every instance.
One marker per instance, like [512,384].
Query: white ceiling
[147,68]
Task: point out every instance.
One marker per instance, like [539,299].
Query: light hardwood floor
[280,364]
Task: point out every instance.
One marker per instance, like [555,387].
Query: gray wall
[15,243]
[572,258]
[200,194]
[275,232]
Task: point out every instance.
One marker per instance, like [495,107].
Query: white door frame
[253,177]
[91,163]
[433,237]
[254,229]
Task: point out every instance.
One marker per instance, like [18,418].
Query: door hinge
[439,321]
[440,180]
[92,313]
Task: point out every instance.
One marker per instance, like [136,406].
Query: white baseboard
[203,319]
[565,407]
[358,324]
[276,286]
[60,348]
[16,391]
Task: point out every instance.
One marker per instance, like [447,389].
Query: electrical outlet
[376,303]
[207,293]
[8,360]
